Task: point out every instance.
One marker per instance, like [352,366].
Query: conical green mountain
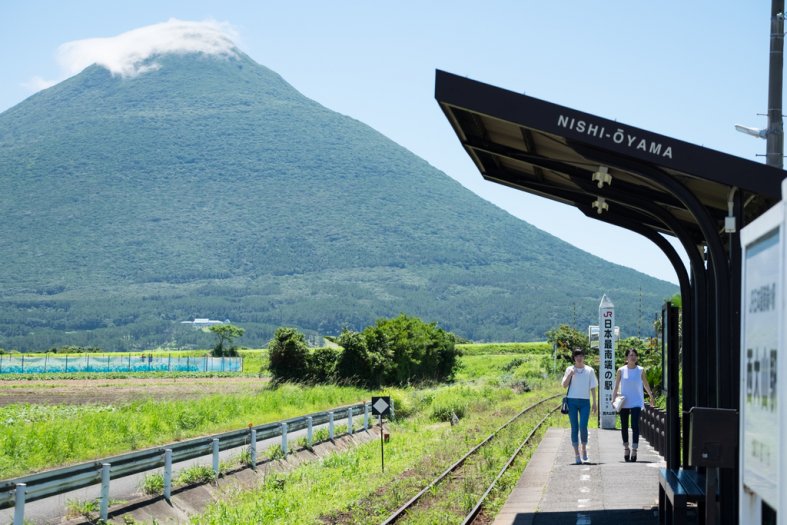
[209,187]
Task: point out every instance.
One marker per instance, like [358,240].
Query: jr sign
[606,354]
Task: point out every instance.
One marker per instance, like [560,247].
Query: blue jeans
[578,415]
[624,425]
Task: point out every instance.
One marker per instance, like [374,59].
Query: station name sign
[619,136]
[761,343]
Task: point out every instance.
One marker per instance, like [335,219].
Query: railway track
[454,469]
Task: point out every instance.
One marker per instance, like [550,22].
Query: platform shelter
[650,184]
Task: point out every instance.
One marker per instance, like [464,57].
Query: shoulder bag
[564,404]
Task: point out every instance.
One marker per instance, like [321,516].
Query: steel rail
[62,480]
[398,513]
[473,514]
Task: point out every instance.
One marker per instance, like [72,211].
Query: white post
[606,372]
[350,421]
[216,456]
[253,449]
[104,491]
[168,474]
[330,425]
[284,438]
[309,432]
[19,509]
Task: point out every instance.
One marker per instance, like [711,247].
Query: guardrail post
[104,491]
[309,432]
[168,474]
[216,456]
[284,438]
[19,509]
[253,449]
[350,421]
[330,425]
[365,417]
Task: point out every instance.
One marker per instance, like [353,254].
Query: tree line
[396,351]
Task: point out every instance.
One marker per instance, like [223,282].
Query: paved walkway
[607,490]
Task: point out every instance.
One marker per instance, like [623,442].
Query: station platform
[606,490]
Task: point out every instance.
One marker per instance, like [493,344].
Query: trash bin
[713,437]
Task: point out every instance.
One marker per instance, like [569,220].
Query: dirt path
[119,391]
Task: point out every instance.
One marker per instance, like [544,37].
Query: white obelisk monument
[606,361]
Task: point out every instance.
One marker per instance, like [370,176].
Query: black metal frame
[534,146]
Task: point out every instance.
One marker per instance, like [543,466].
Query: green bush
[444,409]
[565,338]
[322,364]
[288,354]
[195,475]
[397,351]
[275,452]
[153,484]
[356,364]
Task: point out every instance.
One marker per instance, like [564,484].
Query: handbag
[618,403]
[564,404]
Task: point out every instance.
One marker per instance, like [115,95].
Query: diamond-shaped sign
[381,406]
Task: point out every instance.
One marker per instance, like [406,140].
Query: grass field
[49,421]
[350,487]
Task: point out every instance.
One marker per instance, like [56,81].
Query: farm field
[123,390]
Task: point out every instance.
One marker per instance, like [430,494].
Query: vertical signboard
[606,353]
[762,464]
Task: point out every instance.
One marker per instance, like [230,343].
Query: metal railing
[653,427]
[16,492]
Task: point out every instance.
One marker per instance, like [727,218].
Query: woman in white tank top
[630,381]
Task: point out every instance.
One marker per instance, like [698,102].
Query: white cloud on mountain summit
[126,54]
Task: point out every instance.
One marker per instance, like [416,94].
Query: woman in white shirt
[630,380]
[580,379]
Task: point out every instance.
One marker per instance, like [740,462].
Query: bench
[676,488]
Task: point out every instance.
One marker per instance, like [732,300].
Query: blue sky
[690,70]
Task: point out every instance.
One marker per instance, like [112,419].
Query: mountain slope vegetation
[210,187]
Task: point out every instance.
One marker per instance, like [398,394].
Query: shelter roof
[562,154]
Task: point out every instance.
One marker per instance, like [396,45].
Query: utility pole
[775,137]
[774,132]
[639,313]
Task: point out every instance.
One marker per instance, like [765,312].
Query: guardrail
[16,492]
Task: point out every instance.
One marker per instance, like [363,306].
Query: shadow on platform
[593,517]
